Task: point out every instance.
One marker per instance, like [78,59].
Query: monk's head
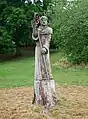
[44,20]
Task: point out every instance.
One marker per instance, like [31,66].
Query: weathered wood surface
[45,93]
[44,87]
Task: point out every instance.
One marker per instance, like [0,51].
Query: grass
[20,72]
[17,73]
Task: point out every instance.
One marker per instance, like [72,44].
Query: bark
[16,39]
[18,52]
[44,93]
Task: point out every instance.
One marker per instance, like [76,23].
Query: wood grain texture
[45,93]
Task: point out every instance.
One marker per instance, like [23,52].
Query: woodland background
[68,18]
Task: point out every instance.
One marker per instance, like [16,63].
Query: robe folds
[45,37]
[44,87]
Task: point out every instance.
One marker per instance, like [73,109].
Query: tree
[6,43]
[17,22]
[16,17]
[70,30]
[74,33]
[57,15]
[15,3]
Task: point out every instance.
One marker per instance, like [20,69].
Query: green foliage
[16,17]
[16,3]
[56,17]
[6,44]
[75,34]
[46,3]
[70,24]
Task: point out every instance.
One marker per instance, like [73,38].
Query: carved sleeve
[48,39]
[35,32]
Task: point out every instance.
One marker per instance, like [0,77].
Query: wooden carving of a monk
[44,85]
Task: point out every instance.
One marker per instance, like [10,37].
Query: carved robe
[44,88]
[45,37]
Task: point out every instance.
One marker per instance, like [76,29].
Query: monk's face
[44,22]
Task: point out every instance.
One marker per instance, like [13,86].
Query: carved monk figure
[44,85]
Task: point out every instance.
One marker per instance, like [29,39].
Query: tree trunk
[18,52]
[44,93]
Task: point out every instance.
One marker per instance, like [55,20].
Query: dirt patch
[16,104]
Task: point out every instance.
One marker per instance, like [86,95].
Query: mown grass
[17,73]
[20,72]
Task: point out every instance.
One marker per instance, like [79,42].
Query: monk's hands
[43,51]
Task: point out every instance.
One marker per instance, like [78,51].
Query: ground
[15,103]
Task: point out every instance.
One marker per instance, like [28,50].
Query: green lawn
[20,72]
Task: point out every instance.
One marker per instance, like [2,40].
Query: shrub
[71,31]
[6,44]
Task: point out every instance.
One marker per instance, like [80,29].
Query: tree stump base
[44,93]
